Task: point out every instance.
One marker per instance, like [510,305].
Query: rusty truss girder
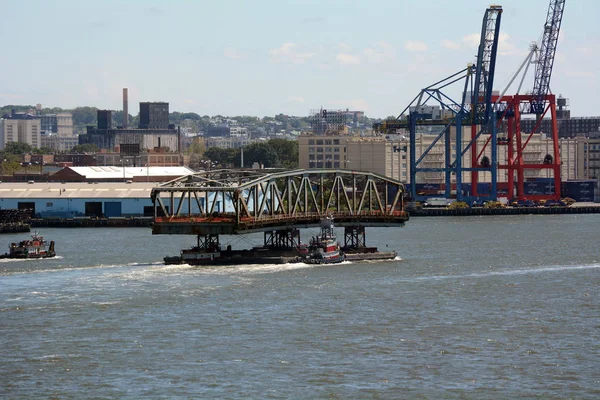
[240,201]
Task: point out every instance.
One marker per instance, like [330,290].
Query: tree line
[87,115]
[273,153]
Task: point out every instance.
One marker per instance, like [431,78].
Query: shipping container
[582,190]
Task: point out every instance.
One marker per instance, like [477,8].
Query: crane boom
[543,69]
[486,64]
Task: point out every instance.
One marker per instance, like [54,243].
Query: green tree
[194,161]
[8,108]
[197,147]
[43,150]
[17,148]
[223,156]
[262,153]
[52,110]
[9,164]
[287,152]
[85,148]
[117,119]
[82,117]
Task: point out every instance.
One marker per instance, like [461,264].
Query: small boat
[324,249]
[36,247]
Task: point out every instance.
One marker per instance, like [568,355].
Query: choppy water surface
[480,307]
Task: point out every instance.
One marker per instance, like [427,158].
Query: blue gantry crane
[476,111]
[545,62]
[482,120]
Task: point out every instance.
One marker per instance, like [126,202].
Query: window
[328,150]
[336,156]
[336,150]
[336,164]
[319,149]
[328,142]
[319,142]
[311,156]
[336,141]
[311,149]
[311,142]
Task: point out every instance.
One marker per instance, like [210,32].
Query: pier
[449,212]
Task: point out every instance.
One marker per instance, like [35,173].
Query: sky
[263,57]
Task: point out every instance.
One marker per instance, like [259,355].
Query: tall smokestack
[125,109]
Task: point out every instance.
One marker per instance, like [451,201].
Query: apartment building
[20,127]
[390,156]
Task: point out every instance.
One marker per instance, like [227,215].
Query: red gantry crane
[540,102]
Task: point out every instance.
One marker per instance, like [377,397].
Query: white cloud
[380,52]
[359,105]
[288,53]
[472,39]
[449,44]
[419,63]
[12,96]
[344,47]
[584,50]
[352,104]
[579,74]
[345,58]
[232,53]
[415,45]
[505,47]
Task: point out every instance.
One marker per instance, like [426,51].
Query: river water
[477,307]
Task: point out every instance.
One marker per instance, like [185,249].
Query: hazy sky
[264,57]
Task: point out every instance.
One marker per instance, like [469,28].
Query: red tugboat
[324,249]
[36,247]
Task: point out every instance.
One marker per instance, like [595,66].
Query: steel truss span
[241,201]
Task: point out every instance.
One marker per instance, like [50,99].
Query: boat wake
[253,268]
[514,272]
[10,260]
[70,268]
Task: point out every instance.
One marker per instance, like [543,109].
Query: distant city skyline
[268,57]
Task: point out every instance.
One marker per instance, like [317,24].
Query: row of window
[326,164]
[325,149]
[321,157]
[320,142]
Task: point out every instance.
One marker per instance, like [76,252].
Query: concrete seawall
[124,222]
[84,222]
[445,212]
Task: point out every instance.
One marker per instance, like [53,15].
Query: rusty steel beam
[240,201]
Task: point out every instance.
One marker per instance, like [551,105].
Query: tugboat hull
[27,256]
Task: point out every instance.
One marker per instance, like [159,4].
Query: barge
[322,249]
